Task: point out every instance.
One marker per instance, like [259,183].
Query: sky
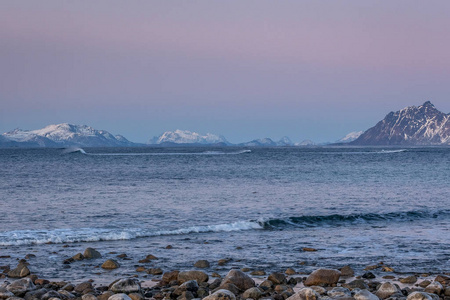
[245,69]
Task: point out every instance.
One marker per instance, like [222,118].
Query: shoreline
[344,283]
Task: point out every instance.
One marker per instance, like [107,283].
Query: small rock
[347,271]
[221,295]
[19,272]
[408,280]
[41,281]
[169,276]
[356,284]
[140,269]
[387,269]
[127,285]
[199,276]
[434,288]
[202,264]
[215,284]
[68,287]
[88,297]
[323,277]
[79,288]
[78,256]
[253,293]
[28,256]
[364,295]
[239,279]
[245,269]
[368,275]
[339,292]
[277,278]
[91,253]
[258,273]
[5,294]
[305,294]
[230,287]
[155,271]
[419,296]
[266,285]
[119,297]
[373,267]
[290,271]
[386,290]
[306,249]
[319,290]
[110,264]
[444,280]
[424,283]
[105,295]
[215,274]
[169,247]
[136,296]
[223,261]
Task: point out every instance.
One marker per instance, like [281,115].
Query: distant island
[412,126]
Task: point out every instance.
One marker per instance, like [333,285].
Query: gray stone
[66,294]
[229,287]
[408,280]
[79,288]
[4,293]
[136,296]
[221,295]
[239,279]
[127,285]
[319,290]
[305,294]
[339,292]
[364,295]
[323,277]
[21,286]
[51,294]
[254,293]
[19,272]
[419,296]
[90,253]
[347,271]
[434,288]
[88,297]
[119,297]
[356,284]
[386,290]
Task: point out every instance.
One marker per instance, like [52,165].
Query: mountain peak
[422,125]
[179,136]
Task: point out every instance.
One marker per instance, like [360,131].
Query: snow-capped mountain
[64,135]
[285,141]
[305,143]
[188,137]
[350,137]
[421,125]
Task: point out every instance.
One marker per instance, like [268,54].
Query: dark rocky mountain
[423,125]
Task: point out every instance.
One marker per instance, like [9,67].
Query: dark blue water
[259,208]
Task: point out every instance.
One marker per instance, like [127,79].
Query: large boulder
[21,286]
[241,280]
[199,276]
[169,276]
[127,285]
[305,294]
[323,277]
[386,290]
[91,253]
[221,295]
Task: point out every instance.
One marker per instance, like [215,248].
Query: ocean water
[258,207]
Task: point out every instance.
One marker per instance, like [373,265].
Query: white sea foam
[29,237]
[171,153]
[73,150]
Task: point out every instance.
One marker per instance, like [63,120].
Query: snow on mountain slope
[187,137]
[350,137]
[414,126]
[66,135]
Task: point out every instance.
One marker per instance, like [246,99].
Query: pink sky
[246,69]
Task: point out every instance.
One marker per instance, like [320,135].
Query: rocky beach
[147,281]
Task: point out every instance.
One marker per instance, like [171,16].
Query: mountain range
[412,126]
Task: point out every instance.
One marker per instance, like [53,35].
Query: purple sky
[245,69]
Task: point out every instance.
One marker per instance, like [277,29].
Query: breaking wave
[74,150]
[30,237]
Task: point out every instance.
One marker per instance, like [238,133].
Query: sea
[259,208]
